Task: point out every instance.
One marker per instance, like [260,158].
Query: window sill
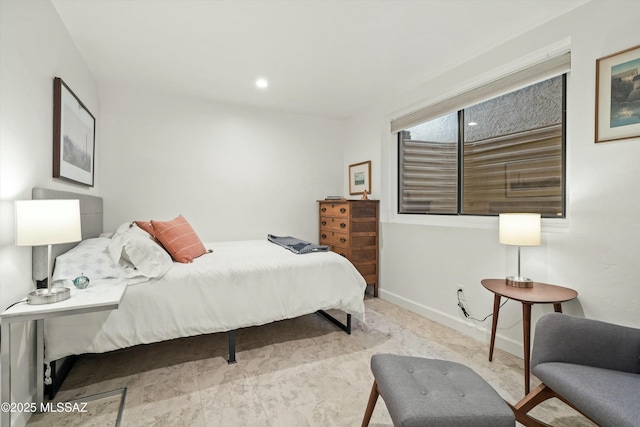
[549,225]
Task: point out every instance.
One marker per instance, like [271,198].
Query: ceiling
[330,58]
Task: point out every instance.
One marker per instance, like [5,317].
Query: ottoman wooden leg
[373,398]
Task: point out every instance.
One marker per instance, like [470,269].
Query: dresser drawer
[362,256]
[340,251]
[333,238]
[334,209]
[367,269]
[335,224]
[363,242]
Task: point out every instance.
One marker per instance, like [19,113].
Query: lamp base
[48,296]
[519,282]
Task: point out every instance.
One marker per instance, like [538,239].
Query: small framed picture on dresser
[360,178]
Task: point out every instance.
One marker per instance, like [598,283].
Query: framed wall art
[74,130]
[618,96]
[360,178]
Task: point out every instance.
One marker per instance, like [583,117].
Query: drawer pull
[324,222]
[343,225]
[342,240]
[324,236]
[343,210]
[323,209]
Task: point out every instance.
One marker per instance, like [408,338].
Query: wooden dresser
[350,228]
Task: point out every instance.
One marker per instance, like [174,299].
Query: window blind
[544,69]
[515,173]
[428,181]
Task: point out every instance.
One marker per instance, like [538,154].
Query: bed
[236,285]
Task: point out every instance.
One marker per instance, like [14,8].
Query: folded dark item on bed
[296,245]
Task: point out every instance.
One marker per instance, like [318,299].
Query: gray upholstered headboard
[90,219]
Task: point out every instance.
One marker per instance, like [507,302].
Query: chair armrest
[563,338]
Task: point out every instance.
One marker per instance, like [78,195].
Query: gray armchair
[592,366]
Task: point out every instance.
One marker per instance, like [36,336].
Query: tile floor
[299,372]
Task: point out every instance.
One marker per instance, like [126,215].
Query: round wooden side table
[540,293]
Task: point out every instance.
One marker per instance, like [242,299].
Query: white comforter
[239,284]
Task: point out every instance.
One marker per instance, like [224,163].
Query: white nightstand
[99,296]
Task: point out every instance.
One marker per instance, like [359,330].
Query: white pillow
[136,251]
[89,258]
[124,228]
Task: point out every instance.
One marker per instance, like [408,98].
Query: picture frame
[360,178]
[74,131]
[618,96]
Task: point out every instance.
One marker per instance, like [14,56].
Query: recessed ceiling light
[262,83]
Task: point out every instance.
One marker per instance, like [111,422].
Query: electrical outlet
[460,293]
[462,301]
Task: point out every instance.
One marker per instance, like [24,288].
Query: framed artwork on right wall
[618,96]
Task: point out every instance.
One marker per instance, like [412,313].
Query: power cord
[466,313]
[17,302]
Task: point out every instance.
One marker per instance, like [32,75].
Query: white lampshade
[47,222]
[520,229]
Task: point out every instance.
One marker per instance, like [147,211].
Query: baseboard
[478,332]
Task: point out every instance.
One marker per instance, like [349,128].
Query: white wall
[234,172]
[594,250]
[35,47]
[240,173]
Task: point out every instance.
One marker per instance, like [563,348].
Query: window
[505,154]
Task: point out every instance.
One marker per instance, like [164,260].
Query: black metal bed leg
[346,328]
[232,347]
[231,335]
[58,374]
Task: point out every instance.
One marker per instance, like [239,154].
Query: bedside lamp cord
[17,302]
[466,313]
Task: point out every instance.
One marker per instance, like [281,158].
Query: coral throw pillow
[179,239]
[146,226]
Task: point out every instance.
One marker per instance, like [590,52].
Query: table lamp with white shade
[520,229]
[47,222]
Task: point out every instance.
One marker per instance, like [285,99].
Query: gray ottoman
[429,392]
